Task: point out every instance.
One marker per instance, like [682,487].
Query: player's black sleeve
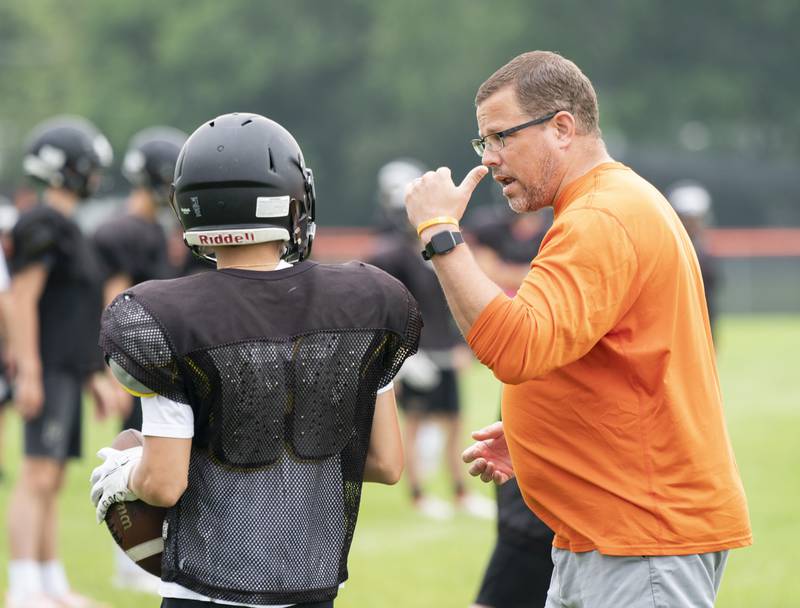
[35,240]
[137,342]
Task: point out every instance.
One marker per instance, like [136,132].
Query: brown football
[135,525]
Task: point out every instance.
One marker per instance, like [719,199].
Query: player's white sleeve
[386,388]
[162,417]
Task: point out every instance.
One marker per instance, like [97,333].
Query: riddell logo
[227,239]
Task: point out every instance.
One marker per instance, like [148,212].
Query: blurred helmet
[150,159]
[241,179]
[67,152]
[393,178]
[689,199]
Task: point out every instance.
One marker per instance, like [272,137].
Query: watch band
[442,243]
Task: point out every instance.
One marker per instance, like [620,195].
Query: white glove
[110,479]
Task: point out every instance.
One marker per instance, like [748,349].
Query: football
[135,525]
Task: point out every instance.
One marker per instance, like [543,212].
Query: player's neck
[142,204]
[63,201]
[262,256]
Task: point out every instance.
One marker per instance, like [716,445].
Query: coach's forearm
[466,286]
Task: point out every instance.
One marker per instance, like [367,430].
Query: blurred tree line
[687,88]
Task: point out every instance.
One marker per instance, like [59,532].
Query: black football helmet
[241,179]
[150,159]
[393,178]
[67,152]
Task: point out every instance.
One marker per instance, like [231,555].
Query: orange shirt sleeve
[579,286]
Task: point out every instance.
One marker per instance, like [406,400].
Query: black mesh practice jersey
[134,247]
[401,258]
[71,303]
[281,370]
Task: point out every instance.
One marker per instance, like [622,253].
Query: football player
[133,245]
[8,216]
[266,385]
[692,203]
[57,300]
[520,568]
[429,385]
[133,249]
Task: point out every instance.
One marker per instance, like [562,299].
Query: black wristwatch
[441,243]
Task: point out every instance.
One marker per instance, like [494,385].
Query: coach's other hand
[435,195]
[489,455]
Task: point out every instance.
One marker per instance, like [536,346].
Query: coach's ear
[563,128]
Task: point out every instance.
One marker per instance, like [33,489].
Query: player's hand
[489,455]
[435,194]
[110,479]
[29,394]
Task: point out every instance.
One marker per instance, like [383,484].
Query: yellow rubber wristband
[435,221]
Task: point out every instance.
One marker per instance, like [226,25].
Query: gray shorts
[593,580]
[56,432]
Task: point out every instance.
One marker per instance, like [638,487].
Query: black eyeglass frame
[479,144]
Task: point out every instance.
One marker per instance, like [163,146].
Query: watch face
[441,243]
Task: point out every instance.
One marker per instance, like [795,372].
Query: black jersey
[71,303]
[281,370]
[493,228]
[135,247]
[401,258]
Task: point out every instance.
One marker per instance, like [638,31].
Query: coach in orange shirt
[613,421]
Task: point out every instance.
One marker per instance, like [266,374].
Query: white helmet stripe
[241,236]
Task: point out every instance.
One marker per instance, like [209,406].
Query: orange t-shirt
[611,402]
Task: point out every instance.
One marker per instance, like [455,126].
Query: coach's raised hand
[435,195]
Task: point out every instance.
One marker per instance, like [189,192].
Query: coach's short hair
[545,82]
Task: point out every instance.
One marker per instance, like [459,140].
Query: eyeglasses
[495,141]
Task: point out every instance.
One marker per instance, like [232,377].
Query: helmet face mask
[240,179]
[67,152]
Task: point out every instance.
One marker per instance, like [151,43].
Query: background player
[519,570]
[56,291]
[8,217]
[692,203]
[268,382]
[429,380]
[133,249]
[133,246]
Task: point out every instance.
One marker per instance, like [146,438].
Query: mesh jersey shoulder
[137,342]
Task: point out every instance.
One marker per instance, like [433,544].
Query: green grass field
[399,559]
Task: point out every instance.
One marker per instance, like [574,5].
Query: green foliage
[362,82]
[399,559]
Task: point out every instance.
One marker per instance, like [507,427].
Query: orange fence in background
[343,243]
[754,242]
